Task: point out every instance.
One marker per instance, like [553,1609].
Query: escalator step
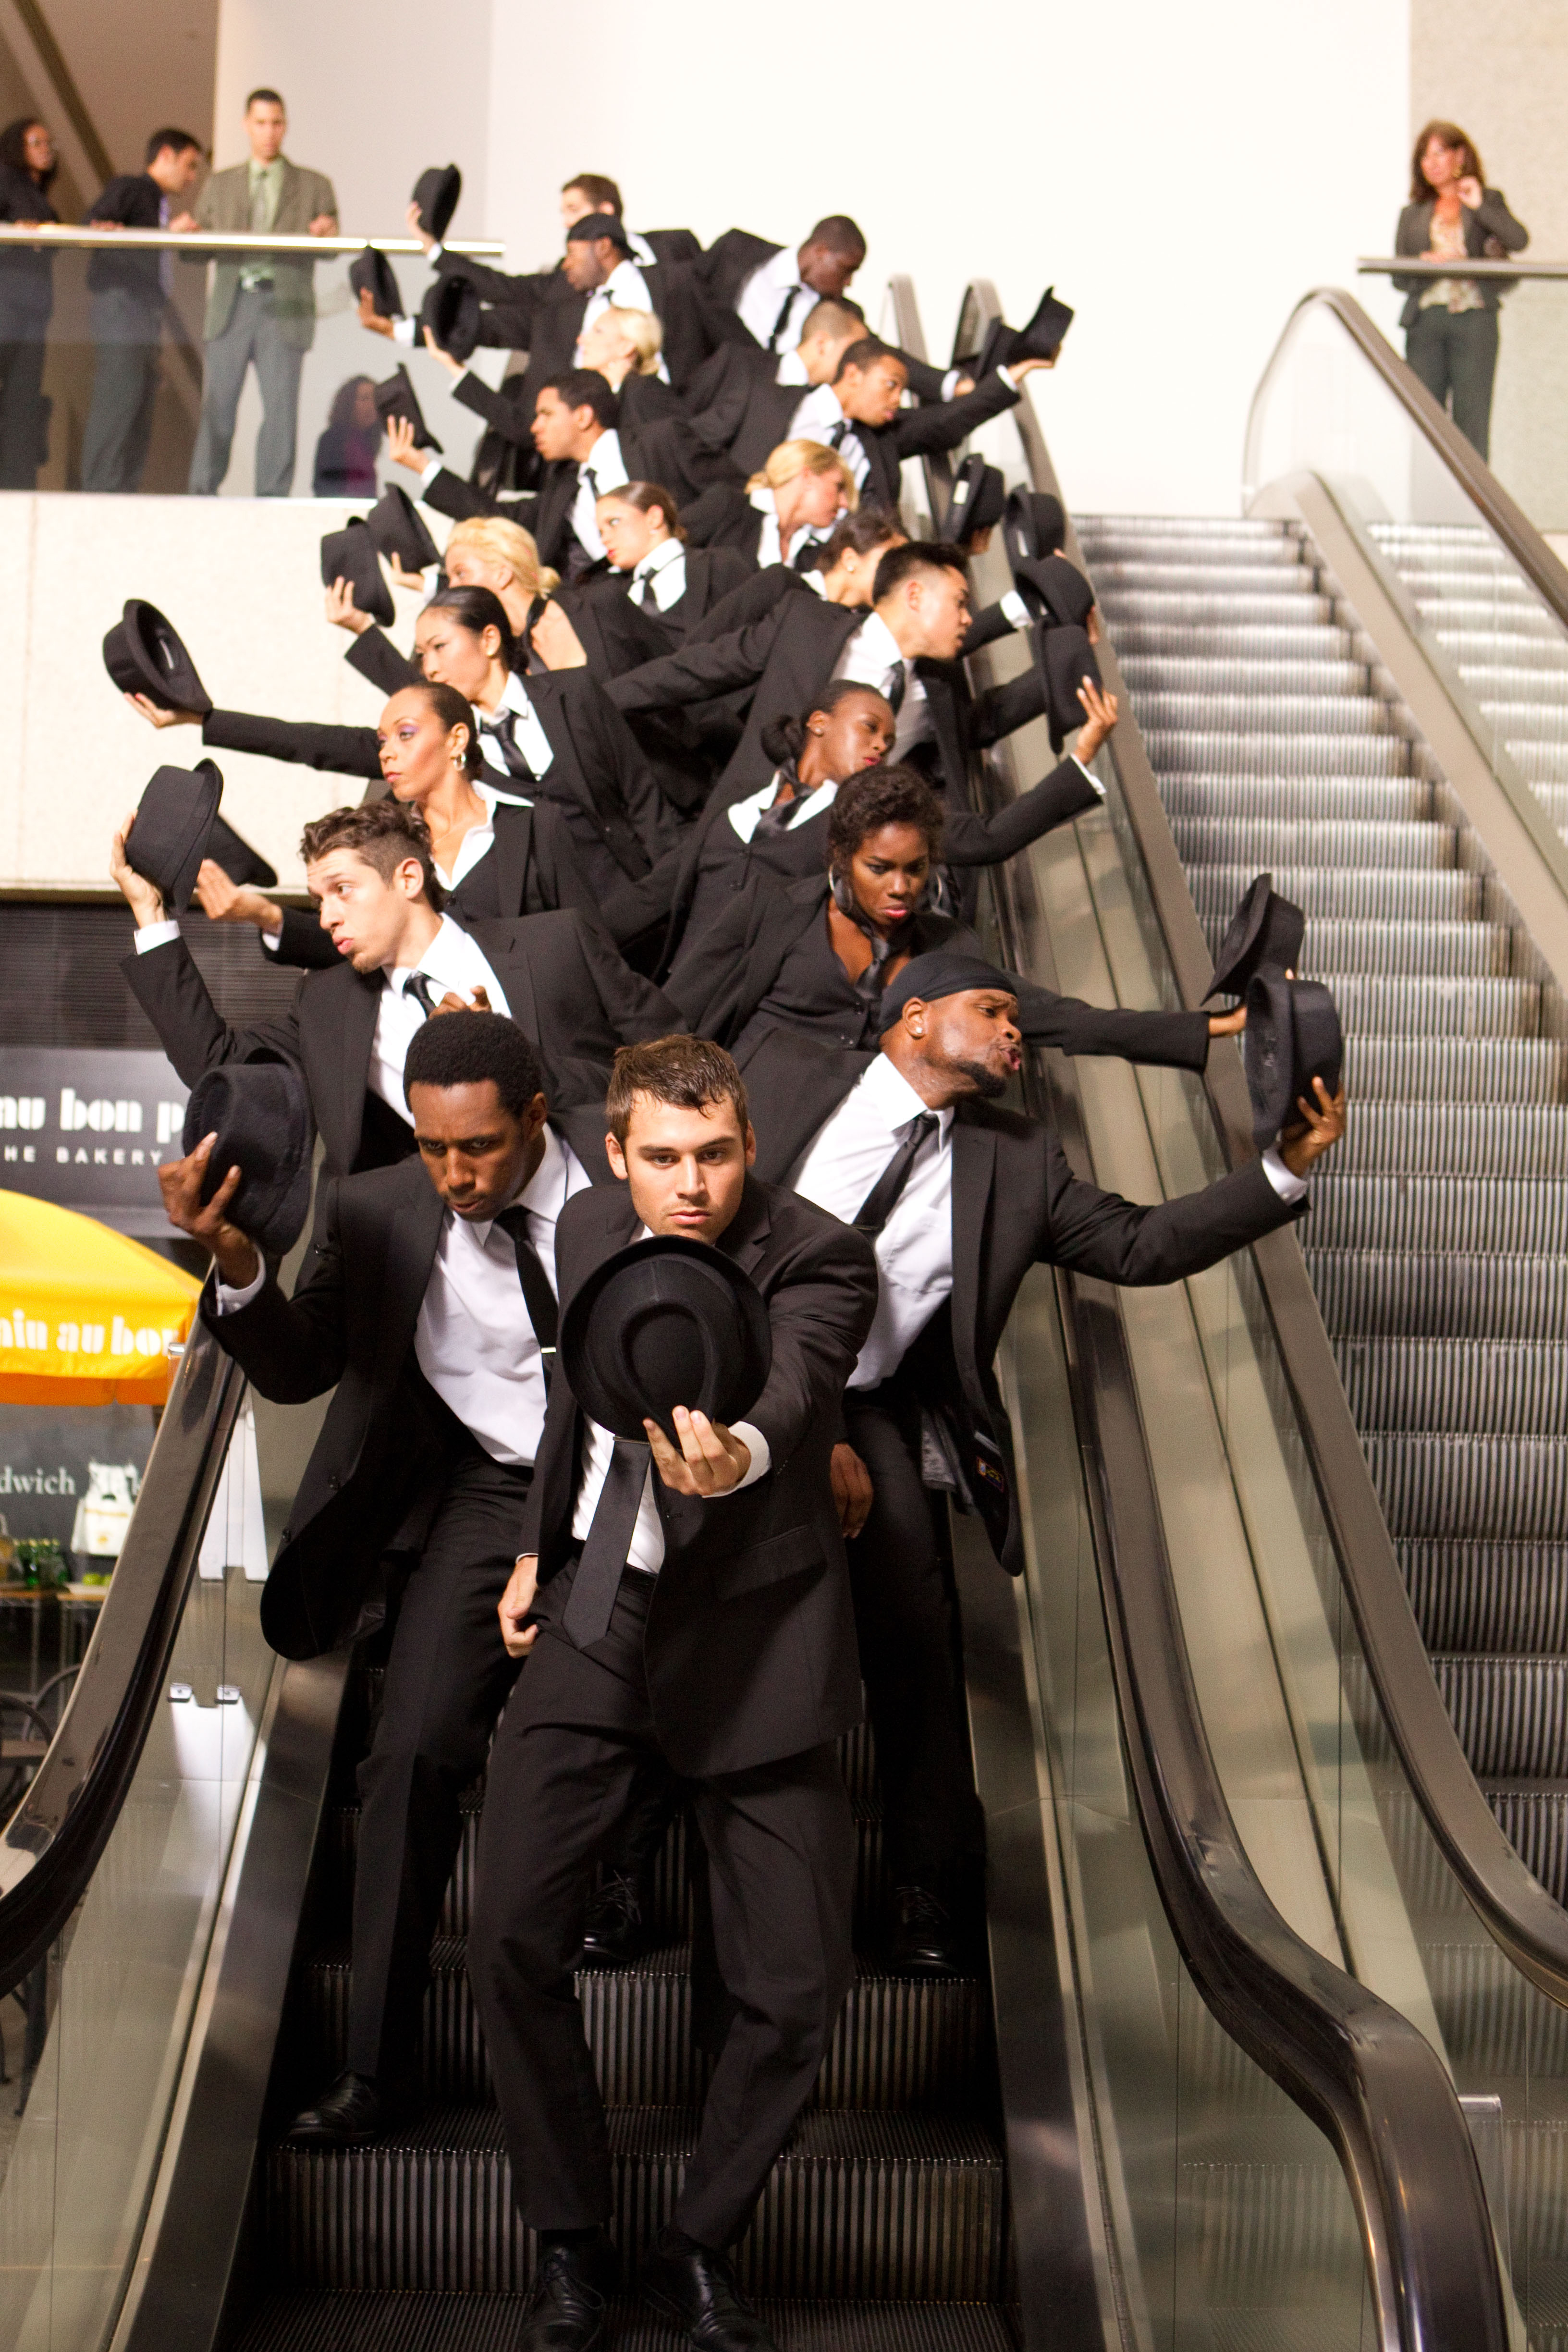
[1348,894]
[1427,1007]
[861,2204]
[1511,1714]
[1413,1294]
[1293,637]
[1514,1487]
[1542,763]
[1299,754]
[1505,683]
[1494,2027]
[900,2042]
[1489,1596]
[1212,605]
[1262,713]
[1453,1070]
[1510,646]
[1440,1212]
[1255,840]
[1535,1821]
[1437,950]
[1512,1386]
[1254,576]
[1477,611]
[1456,1138]
[325,2322]
[1381,800]
[1186,675]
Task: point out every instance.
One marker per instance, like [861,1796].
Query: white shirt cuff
[1089,776]
[1017,612]
[457,379]
[1291,1188]
[1008,378]
[403,332]
[761,1458]
[272,942]
[437,250]
[230,1302]
[431,470]
[156,935]
[950,382]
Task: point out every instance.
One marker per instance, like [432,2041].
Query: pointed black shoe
[569,2300]
[352,2113]
[693,2286]
[925,1940]
[614,1935]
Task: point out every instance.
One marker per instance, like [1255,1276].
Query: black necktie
[592,481]
[591,1604]
[804,557]
[835,438]
[538,1297]
[417,986]
[882,1198]
[648,600]
[782,322]
[896,686]
[503,731]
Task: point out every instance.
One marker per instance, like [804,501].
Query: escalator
[1204,2093]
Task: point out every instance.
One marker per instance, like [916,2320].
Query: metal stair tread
[828,2136]
[411,2320]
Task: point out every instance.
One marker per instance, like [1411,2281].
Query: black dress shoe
[694,2285]
[351,2114]
[614,1935]
[924,1941]
[569,2300]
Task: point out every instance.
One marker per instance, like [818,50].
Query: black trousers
[1454,353]
[24,413]
[906,1614]
[781,1855]
[448,1677]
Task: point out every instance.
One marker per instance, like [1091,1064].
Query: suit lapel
[513,967]
[511,849]
[746,1237]
[351,1007]
[411,1240]
[973,1172]
[941,701]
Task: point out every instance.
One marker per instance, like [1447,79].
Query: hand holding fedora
[182,1183]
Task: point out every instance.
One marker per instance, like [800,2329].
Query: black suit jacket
[748,413]
[750,1648]
[564,984]
[719,392]
[666,451]
[608,799]
[618,634]
[349,1326]
[541,313]
[788,656]
[1015,1203]
[728,968]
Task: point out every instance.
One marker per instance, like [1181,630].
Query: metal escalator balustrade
[1436,1250]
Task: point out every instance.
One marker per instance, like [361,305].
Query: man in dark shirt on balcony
[128,291]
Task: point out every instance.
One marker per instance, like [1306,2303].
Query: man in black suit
[128,293]
[428,1300]
[909,646]
[742,399]
[858,414]
[349,1029]
[690,1605]
[595,192]
[961,1197]
[760,293]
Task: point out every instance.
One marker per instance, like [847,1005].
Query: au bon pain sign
[88,1131]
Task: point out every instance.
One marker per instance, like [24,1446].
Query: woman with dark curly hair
[816,954]
[28,168]
[1451,324]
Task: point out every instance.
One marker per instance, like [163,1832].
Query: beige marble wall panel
[241,581]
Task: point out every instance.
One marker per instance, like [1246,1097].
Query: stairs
[883,2228]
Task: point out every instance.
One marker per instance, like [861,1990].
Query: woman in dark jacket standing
[28,166]
[1451,323]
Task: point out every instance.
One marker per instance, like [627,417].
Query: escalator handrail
[1545,571]
[1517,1911]
[52,1842]
[1363,2071]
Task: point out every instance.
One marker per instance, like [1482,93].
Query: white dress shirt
[871,657]
[914,1249]
[528,731]
[758,302]
[745,815]
[791,368]
[665,565]
[626,288]
[646,1549]
[454,960]
[474,1341]
[480,839]
[608,469]
[817,417]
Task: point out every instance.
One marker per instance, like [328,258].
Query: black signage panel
[87,1129]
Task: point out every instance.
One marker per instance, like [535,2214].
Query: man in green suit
[261,310]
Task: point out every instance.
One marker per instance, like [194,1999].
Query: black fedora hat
[451,311]
[1033,525]
[435,191]
[1055,590]
[666,1322]
[371,273]
[242,863]
[260,1113]
[1066,658]
[1292,1036]
[350,555]
[398,527]
[172,830]
[1040,339]
[395,397]
[979,498]
[144,653]
[1266,933]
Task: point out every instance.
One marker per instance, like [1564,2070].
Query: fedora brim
[716,1325]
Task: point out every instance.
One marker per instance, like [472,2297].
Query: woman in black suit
[783,512]
[1451,324]
[28,167]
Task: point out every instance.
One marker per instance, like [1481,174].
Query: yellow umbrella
[87,1317]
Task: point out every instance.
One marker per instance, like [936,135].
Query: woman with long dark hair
[347,451]
[28,168]
[1451,324]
